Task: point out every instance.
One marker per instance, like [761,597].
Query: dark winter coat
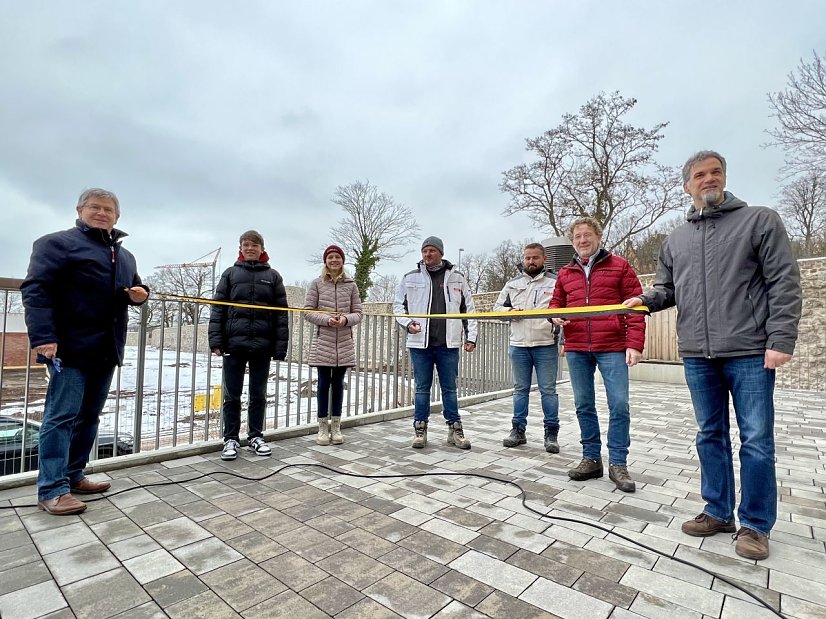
[243,329]
[612,280]
[75,295]
[731,273]
[333,347]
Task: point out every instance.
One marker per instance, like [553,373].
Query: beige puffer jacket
[333,347]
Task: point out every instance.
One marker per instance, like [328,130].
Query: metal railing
[168,391]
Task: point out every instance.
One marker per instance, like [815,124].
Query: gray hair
[97,192]
[702,156]
[585,221]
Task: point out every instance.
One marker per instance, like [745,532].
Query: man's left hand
[137,294]
[632,357]
[774,359]
[470,346]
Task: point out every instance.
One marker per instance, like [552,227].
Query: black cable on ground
[523,498]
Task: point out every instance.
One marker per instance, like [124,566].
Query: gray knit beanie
[434,241]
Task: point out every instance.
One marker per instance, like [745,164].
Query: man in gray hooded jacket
[730,271]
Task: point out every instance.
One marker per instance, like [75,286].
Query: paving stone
[493,572]
[32,574]
[16,538]
[151,566]
[586,560]
[367,608]
[802,588]
[354,568]
[294,571]
[385,527]
[256,547]
[670,589]
[448,530]
[200,510]
[407,597]
[605,590]
[500,605]
[460,587]
[80,562]
[205,605]
[331,595]
[174,588]
[21,555]
[286,605]
[310,544]
[242,584]
[543,566]
[414,565]
[115,530]
[33,601]
[366,542]
[656,608]
[433,547]
[564,601]
[150,610]
[522,538]
[133,547]
[105,594]
[206,555]
[154,512]
[176,533]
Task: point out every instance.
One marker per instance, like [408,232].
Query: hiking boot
[618,473]
[456,435]
[587,469]
[551,440]
[336,437]
[323,431]
[751,544]
[704,526]
[62,505]
[87,486]
[259,446]
[230,451]
[516,437]
[420,440]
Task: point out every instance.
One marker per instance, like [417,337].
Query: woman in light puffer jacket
[333,349]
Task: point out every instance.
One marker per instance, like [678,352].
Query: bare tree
[645,251]
[595,164]
[474,267]
[375,228]
[803,206]
[800,111]
[184,280]
[502,265]
[383,289]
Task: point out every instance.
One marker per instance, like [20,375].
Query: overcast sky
[209,118]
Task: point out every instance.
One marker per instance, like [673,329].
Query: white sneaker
[230,451]
[259,446]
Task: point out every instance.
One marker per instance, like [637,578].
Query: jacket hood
[113,237]
[253,265]
[262,258]
[730,203]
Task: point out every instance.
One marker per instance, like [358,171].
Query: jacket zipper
[705,291]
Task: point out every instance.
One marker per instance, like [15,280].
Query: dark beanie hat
[333,249]
[252,235]
[434,241]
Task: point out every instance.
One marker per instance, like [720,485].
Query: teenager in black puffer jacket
[248,336]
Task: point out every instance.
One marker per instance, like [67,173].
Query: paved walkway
[306,544]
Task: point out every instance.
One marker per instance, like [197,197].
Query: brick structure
[14,343]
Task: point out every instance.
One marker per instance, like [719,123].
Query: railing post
[143,327]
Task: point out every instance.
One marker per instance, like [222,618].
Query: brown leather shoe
[587,469]
[87,486]
[618,473]
[751,544]
[62,505]
[704,526]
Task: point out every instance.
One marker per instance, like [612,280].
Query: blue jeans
[612,366]
[752,390]
[446,362]
[546,361]
[235,366]
[74,401]
[330,379]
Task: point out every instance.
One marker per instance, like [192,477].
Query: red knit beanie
[333,249]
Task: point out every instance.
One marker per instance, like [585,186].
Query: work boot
[704,526]
[323,431]
[516,437]
[587,469]
[62,505]
[456,435]
[551,440]
[335,431]
[618,473]
[751,544]
[420,440]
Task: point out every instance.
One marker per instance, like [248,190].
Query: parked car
[13,429]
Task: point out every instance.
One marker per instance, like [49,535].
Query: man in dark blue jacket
[76,293]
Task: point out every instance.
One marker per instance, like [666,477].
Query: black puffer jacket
[74,295]
[245,330]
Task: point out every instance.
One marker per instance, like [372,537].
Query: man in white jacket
[533,345]
[435,287]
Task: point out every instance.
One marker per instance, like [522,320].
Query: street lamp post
[459,264]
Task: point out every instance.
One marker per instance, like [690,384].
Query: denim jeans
[74,400]
[752,390]
[446,362]
[612,366]
[330,379]
[546,361]
[235,365]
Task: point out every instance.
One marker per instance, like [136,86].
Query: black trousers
[235,365]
